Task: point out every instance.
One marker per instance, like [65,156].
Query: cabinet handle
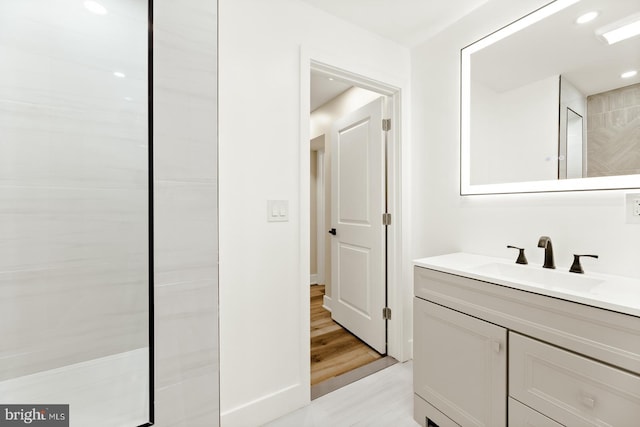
[588,401]
[496,346]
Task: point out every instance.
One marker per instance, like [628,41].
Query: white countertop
[616,293]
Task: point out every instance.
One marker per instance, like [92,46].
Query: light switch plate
[632,208]
[277,210]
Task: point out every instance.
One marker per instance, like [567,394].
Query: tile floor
[383,399]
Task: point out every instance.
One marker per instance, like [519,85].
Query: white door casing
[320,218]
[357,204]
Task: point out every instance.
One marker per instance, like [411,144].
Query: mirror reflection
[554,97]
[74,197]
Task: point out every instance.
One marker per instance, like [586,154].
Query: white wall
[264,267]
[577,222]
[186,250]
[321,121]
[513,140]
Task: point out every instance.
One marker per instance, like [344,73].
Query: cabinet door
[460,365]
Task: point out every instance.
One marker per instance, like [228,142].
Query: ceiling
[559,46]
[408,22]
[324,90]
[572,51]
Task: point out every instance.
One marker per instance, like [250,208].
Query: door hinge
[386,219]
[386,313]
[386,124]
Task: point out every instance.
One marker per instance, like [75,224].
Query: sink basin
[541,277]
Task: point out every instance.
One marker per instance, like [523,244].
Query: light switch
[277,210]
[632,208]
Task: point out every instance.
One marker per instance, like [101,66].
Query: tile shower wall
[613,132]
[73,184]
[186,240]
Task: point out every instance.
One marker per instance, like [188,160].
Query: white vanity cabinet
[491,355]
[463,369]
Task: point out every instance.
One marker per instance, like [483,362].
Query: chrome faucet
[545,242]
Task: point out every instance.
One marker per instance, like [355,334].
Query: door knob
[332,231]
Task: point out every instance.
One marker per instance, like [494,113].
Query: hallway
[334,350]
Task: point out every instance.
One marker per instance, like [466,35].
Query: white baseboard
[326,303]
[313,279]
[267,408]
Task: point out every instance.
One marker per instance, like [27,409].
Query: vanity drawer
[569,388]
[522,416]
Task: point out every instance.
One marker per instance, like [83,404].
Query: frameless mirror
[551,102]
[75,213]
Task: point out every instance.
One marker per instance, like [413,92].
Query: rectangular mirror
[551,102]
[75,197]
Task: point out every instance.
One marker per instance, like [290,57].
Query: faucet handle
[576,267]
[521,258]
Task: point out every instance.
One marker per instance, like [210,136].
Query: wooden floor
[334,351]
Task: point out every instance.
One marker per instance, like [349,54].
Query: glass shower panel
[575,144]
[74,208]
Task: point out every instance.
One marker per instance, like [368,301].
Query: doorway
[349,147]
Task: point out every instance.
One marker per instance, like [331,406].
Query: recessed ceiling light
[119,74]
[622,32]
[128,98]
[95,7]
[629,74]
[331,78]
[587,17]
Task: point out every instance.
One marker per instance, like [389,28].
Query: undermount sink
[542,277]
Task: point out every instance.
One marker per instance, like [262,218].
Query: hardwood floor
[334,350]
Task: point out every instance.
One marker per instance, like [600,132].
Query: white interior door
[358,285]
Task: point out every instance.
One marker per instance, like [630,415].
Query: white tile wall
[72,192]
[186,234]
[73,179]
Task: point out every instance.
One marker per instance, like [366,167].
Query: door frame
[399,270]
[320,217]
